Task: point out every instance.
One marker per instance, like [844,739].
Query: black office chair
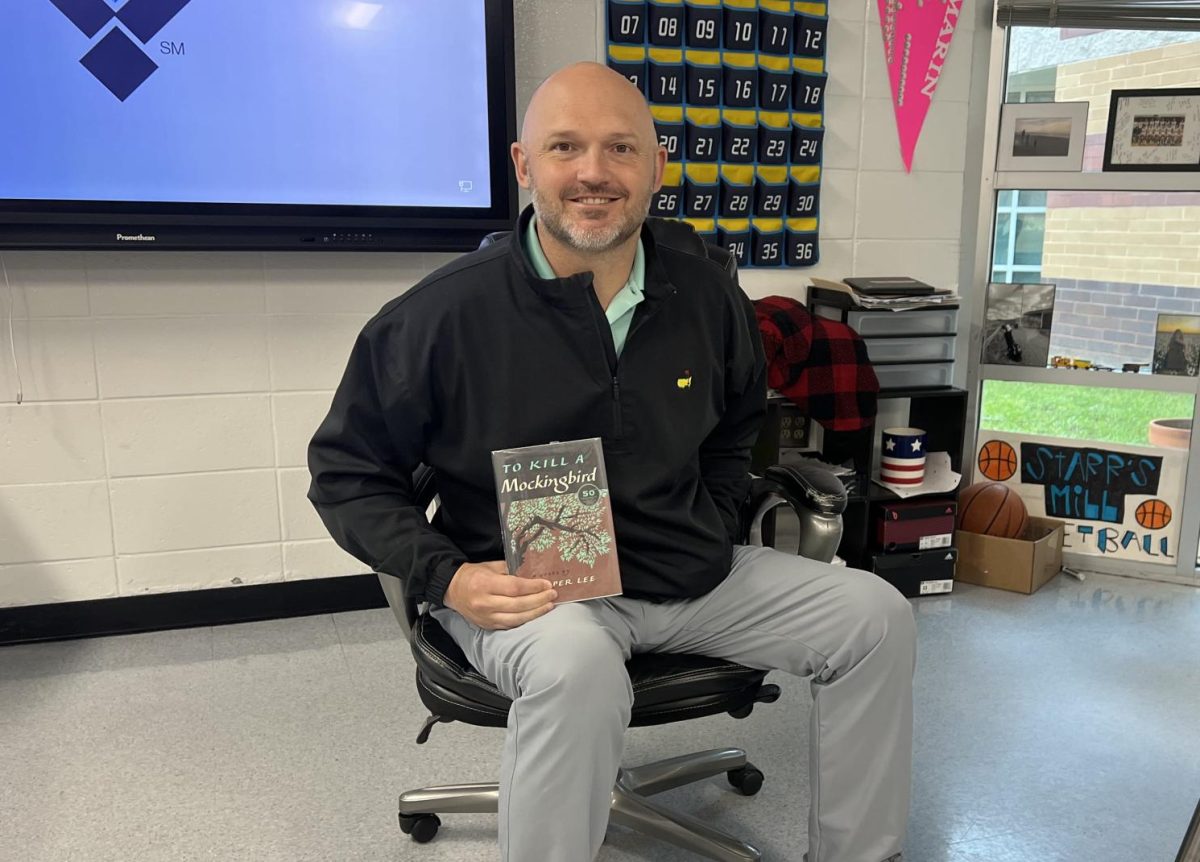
[667,687]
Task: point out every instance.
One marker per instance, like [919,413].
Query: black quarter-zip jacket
[483,354]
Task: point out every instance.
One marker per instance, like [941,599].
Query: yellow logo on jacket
[685,382]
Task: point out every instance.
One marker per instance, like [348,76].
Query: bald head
[586,92]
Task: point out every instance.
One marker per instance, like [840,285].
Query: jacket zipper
[610,359]
[616,390]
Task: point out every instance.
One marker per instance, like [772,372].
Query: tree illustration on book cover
[556,517]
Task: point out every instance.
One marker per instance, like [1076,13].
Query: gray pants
[849,630]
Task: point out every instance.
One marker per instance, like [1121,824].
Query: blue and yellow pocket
[804,192]
[808,91]
[740,80]
[627,21]
[741,25]
[701,191]
[630,62]
[703,77]
[774,138]
[706,228]
[668,125]
[668,201]
[766,242]
[734,235]
[774,83]
[801,241]
[809,33]
[667,84]
[770,192]
[703,24]
[737,191]
[775,27]
[667,23]
[703,134]
[739,136]
[806,140]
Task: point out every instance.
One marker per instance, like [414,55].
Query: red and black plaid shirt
[820,365]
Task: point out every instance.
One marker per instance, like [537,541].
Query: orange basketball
[997,460]
[1153,514]
[994,509]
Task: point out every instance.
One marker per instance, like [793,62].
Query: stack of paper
[892,303]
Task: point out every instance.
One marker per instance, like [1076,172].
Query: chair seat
[666,686]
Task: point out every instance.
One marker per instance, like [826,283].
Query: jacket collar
[574,290]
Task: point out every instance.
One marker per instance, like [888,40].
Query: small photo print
[1041,136]
[1177,345]
[1017,328]
[1158,130]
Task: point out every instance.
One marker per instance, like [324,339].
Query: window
[1020,225]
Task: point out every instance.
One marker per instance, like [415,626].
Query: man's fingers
[511,621]
[519,604]
[507,585]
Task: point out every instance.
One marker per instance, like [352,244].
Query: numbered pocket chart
[737,89]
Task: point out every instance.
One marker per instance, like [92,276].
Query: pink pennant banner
[916,40]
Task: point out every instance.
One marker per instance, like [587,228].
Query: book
[556,517]
[893,285]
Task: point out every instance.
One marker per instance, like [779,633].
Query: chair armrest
[814,493]
[809,486]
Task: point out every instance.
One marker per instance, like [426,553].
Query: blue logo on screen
[116,61]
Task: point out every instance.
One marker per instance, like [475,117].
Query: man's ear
[520,164]
[660,164]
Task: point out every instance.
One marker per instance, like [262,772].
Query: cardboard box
[1021,565]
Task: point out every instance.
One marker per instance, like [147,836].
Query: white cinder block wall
[169,397]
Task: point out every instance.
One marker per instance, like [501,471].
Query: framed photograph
[1177,345]
[1042,136]
[1016,329]
[1153,130]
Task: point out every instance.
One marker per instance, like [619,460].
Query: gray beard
[585,240]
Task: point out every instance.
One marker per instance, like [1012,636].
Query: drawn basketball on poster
[1153,514]
[997,461]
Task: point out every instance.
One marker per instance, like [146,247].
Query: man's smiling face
[590,158]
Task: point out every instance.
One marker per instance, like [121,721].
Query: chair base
[630,806]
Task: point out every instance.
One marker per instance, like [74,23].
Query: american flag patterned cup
[902,456]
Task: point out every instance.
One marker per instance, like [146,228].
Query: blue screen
[326,102]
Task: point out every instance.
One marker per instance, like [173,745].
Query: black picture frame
[1183,100]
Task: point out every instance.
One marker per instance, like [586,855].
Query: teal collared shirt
[620,310]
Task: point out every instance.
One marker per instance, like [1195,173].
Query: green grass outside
[1078,412]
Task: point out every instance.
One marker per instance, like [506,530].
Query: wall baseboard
[159,611]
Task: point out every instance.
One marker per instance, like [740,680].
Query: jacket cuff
[439,580]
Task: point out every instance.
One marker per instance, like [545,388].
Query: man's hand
[488,596]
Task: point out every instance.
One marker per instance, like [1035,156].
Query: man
[580,325]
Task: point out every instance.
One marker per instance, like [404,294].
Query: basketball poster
[1117,501]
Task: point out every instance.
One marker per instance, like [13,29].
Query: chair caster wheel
[748,780]
[420,827]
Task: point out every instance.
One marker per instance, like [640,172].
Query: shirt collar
[537,258]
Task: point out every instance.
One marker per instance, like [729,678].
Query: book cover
[556,517]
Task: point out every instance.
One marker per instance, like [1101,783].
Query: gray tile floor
[1062,726]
